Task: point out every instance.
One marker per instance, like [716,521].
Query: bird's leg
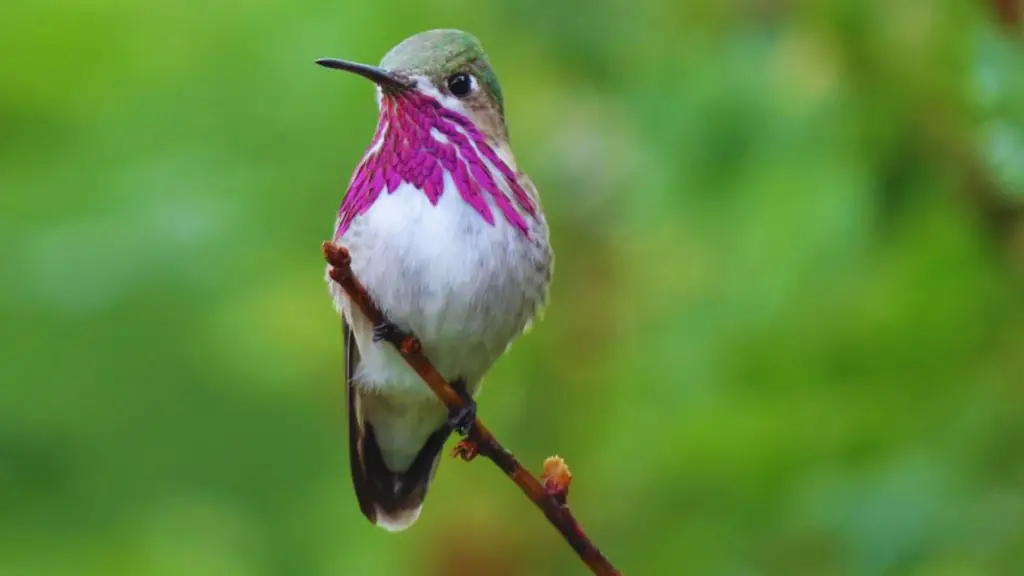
[461,418]
[389,333]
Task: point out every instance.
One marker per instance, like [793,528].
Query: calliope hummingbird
[449,238]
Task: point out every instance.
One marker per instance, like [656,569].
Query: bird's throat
[421,142]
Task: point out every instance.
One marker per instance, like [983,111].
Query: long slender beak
[379,76]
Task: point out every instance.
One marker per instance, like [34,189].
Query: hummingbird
[450,241]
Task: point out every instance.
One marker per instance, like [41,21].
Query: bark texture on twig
[550,497]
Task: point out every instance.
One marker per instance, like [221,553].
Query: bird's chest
[465,287]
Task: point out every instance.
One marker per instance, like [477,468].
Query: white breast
[466,288]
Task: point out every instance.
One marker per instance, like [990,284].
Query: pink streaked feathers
[404,150]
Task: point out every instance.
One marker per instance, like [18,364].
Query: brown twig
[1009,13]
[550,497]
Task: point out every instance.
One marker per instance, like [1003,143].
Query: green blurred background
[786,333]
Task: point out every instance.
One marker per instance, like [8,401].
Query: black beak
[379,76]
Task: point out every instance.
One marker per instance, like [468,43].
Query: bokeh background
[786,334]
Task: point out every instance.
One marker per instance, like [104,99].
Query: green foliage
[787,324]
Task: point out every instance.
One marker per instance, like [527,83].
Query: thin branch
[1009,13]
[550,497]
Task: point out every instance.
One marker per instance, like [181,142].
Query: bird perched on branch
[449,238]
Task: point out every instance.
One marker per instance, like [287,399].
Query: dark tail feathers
[391,500]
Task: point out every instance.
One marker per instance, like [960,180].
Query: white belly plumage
[464,287]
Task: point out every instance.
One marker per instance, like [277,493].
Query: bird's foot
[461,418]
[388,332]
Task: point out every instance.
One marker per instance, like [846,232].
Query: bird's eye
[460,85]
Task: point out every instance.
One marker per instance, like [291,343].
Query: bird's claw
[461,418]
[388,332]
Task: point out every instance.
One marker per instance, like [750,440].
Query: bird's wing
[360,481]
